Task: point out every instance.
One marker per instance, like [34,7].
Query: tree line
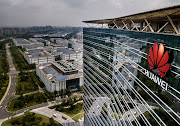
[4,68]
[19,60]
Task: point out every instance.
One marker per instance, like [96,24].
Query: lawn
[44,120]
[73,112]
[79,116]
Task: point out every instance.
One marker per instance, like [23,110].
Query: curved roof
[158,14]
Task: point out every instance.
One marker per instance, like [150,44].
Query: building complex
[37,56]
[27,43]
[56,75]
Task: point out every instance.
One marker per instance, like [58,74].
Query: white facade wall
[50,86]
[33,45]
[44,79]
[16,43]
[71,56]
[39,60]
[27,58]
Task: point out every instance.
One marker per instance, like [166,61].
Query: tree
[63,102]
[67,90]
[70,102]
[61,92]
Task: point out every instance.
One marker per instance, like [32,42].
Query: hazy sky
[71,12]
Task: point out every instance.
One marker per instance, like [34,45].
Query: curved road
[10,92]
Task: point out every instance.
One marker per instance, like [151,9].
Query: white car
[0,107]
[54,115]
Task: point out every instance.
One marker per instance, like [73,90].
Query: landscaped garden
[31,119]
[72,107]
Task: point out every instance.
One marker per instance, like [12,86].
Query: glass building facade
[117,91]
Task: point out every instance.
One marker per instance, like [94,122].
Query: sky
[71,12]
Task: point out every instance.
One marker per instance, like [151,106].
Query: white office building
[38,56]
[68,54]
[59,75]
[26,43]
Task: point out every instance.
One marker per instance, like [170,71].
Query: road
[49,113]
[10,92]
[44,110]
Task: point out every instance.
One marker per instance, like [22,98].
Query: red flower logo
[157,59]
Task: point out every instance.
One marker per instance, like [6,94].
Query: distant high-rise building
[132,69]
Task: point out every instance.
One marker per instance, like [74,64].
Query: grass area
[27,101]
[42,120]
[27,82]
[79,116]
[73,112]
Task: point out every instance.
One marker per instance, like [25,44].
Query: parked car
[64,117]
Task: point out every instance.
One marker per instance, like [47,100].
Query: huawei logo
[157,59]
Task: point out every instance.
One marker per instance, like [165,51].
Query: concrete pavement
[49,113]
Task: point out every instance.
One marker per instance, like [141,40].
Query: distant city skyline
[70,12]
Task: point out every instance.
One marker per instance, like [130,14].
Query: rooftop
[65,51]
[37,53]
[65,68]
[22,41]
[55,73]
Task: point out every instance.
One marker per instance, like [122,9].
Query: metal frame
[135,24]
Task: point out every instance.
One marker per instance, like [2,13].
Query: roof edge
[146,12]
